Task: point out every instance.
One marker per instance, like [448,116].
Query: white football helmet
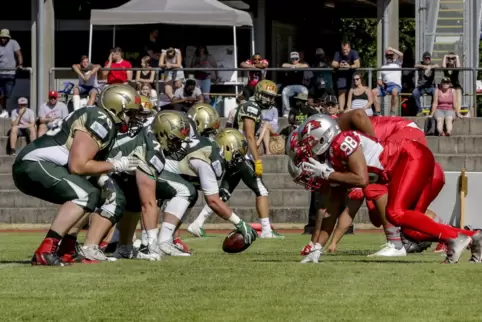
[316,134]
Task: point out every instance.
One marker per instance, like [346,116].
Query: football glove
[258,168]
[247,231]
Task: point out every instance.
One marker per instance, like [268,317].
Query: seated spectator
[148,91]
[293,81]
[359,96]
[116,61]
[170,60]
[426,76]
[23,124]
[298,113]
[330,106]
[87,82]
[254,77]
[50,113]
[203,59]
[348,60]
[453,61]
[269,127]
[390,81]
[318,92]
[445,107]
[185,97]
[145,76]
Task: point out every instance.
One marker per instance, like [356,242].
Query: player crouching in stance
[354,160]
[56,167]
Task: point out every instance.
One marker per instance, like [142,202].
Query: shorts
[173,75]
[389,89]
[7,83]
[342,84]
[84,89]
[441,114]
[21,132]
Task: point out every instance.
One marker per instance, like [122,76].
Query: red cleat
[180,245]
[441,248]
[46,254]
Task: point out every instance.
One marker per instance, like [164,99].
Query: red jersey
[255,76]
[118,76]
[386,126]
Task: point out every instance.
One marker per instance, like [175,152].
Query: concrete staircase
[289,202]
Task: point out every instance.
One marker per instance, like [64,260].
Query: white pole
[235,54]
[40,53]
[90,42]
[253,47]
[113,36]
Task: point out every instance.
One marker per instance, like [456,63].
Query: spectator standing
[153,48]
[451,60]
[202,59]
[188,95]
[145,76]
[170,60]
[23,124]
[318,92]
[10,58]
[116,60]
[389,81]
[87,73]
[293,81]
[347,59]
[254,77]
[445,107]
[426,76]
[360,96]
[269,127]
[50,113]
[320,61]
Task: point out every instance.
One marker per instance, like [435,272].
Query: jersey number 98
[348,145]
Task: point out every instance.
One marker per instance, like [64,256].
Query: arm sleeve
[207,177]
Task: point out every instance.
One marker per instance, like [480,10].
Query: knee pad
[177,207]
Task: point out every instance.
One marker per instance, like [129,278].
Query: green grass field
[265,283]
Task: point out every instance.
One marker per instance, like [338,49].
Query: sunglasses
[357,79]
[52,98]
[330,105]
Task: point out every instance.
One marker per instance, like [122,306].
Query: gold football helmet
[122,101]
[265,93]
[233,146]
[205,117]
[171,129]
[146,105]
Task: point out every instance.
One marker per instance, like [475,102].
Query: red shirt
[118,76]
[255,77]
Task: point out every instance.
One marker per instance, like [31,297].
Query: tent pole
[113,36]
[90,42]
[253,47]
[235,54]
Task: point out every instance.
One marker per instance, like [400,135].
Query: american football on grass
[234,243]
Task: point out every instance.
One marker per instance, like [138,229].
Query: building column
[388,27]
[260,28]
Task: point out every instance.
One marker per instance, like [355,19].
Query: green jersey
[145,147]
[250,109]
[55,145]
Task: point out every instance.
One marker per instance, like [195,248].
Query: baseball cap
[319,51]
[53,94]
[22,101]
[426,55]
[295,54]
[446,80]
[331,99]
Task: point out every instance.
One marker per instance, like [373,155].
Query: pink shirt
[445,102]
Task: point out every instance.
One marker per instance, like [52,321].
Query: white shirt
[92,82]
[391,76]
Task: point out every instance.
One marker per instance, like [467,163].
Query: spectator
[50,113]
[293,81]
[318,92]
[202,59]
[23,124]
[389,81]
[324,77]
[346,58]
[153,48]
[445,107]
[148,91]
[9,50]
[254,76]
[145,76]
[269,127]
[300,112]
[116,61]
[185,97]
[426,75]
[331,106]
[170,60]
[360,96]
[87,82]
[453,61]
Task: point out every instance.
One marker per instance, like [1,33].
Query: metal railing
[368,71]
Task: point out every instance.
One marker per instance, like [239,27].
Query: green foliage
[362,34]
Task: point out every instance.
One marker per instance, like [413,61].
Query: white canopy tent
[179,12]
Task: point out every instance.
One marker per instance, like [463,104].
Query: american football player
[248,120]
[197,160]
[406,165]
[55,167]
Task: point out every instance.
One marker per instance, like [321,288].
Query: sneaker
[307,249]
[46,254]
[476,248]
[455,248]
[93,252]
[197,230]
[271,234]
[108,247]
[441,248]
[313,256]
[149,252]
[181,246]
[169,249]
[12,153]
[125,252]
[389,250]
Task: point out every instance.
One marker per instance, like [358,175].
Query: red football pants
[409,195]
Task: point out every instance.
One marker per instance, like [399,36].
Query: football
[234,243]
